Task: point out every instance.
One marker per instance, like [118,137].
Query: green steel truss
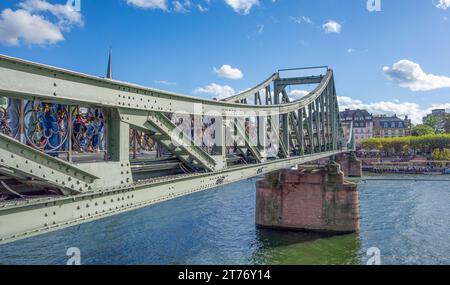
[309,129]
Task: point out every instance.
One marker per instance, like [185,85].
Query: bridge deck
[28,217]
[54,112]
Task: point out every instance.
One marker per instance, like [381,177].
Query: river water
[408,221]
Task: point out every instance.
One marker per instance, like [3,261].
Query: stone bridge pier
[316,199]
[350,164]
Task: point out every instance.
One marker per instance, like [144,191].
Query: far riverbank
[398,165]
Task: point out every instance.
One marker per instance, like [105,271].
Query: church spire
[109,71]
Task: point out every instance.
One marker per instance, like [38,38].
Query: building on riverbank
[362,124]
[440,116]
[391,126]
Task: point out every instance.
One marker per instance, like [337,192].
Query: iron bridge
[76,148]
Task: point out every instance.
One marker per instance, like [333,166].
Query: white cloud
[219,91]
[344,101]
[21,26]
[443,4]
[165,82]
[182,7]
[410,75]
[201,8]
[297,94]
[401,109]
[37,22]
[242,6]
[332,27]
[65,14]
[229,72]
[178,6]
[149,4]
[260,28]
[350,50]
[302,19]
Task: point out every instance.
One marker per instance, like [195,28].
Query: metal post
[262,133]
[134,138]
[328,102]
[268,96]
[22,122]
[118,136]
[334,118]
[69,133]
[285,131]
[310,128]
[276,93]
[322,122]
[317,113]
[300,130]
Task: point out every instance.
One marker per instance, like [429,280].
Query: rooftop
[355,113]
[386,118]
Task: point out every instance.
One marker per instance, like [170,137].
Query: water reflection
[306,248]
[408,221]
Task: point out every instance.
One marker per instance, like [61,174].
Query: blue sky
[391,61]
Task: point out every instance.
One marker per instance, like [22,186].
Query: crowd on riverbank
[427,170]
[407,164]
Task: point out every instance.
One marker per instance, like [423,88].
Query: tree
[422,130]
[447,124]
[425,144]
[432,121]
[442,155]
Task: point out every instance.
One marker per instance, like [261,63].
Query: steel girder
[94,193]
[27,80]
[23,219]
[30,163]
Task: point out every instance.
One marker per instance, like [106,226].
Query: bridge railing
[56,129]
[68,114]
[64,131]
[308,125]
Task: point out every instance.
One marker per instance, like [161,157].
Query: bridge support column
[318,200]
[350,164]
[118,137]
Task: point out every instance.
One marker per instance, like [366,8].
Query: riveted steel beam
[28,80]
[22,219]
[170,136]
[34,164]
[98,193]
[252,91]
[252,146]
